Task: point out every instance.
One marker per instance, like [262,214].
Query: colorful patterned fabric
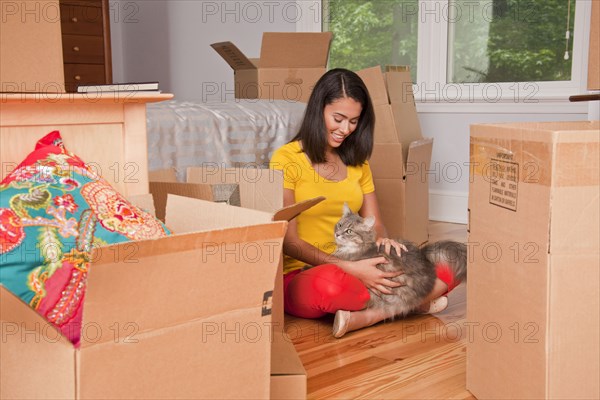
[54,210]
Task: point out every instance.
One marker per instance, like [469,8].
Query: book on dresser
[120,87]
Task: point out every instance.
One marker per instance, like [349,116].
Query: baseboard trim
[448,206]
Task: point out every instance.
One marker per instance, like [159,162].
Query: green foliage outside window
[370,33]
[520,41]
[489,40]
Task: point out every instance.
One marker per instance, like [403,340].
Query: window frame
[434,94]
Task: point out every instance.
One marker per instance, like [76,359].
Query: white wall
[169,41]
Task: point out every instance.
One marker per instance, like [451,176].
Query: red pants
[445,274]
[321,290]
[324,289]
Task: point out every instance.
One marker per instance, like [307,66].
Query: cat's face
[353,232]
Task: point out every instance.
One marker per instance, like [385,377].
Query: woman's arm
[365,270]
[297,248]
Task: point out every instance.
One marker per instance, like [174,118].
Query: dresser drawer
[83,49]
[81,20]
[83,74]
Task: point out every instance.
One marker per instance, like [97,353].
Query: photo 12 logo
[253,12]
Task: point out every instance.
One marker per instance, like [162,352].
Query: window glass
[510,40]
[373,32]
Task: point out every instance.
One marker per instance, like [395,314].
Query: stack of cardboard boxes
[401,155]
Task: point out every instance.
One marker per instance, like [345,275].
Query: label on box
[504,183]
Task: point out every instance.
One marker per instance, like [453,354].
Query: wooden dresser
[85,26]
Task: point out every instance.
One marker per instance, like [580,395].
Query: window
[368,33]
[509,41]
[477,51]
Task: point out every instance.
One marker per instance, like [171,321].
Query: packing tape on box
[533,162]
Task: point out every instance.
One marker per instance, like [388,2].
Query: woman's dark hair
[334,85]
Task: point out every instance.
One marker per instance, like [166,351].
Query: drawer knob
[77,77]
[75,48]
[74,19]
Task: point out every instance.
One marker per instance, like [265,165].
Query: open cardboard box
[534,256]
[186,316]
[401,156]
[290,64]
[259,189]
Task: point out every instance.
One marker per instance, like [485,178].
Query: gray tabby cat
[355,238]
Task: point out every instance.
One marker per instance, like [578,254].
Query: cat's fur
[355,238]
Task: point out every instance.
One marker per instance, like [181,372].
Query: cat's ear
[347,210]
[369,221]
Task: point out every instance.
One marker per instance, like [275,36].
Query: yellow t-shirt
[316,225]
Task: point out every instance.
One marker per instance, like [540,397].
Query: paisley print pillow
[54,210]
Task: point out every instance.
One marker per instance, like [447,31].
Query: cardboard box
[401,156]
[260,189]
[31,54]
[288,376]
[178,317]
[290,64]
[534,256]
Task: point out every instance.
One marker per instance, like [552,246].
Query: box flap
[399,87]
[290,212]
[14,311]
[186,214]
[37,361]
[385,126]
[260,188]
[143,201]
[151,287]
[255,61]
[375,82]
[160,190]
[295,49]
[163,175]
[288,376]
[399,84]
[233,56]
[391,199]
[284,358]
[223,193]
[417,191]
[386,161]
[407,124]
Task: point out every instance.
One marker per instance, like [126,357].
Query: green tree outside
[370,33]
[489,40]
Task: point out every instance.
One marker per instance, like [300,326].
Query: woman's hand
[371,276]
[388,244]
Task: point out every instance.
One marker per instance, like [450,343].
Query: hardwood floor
[419,357]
